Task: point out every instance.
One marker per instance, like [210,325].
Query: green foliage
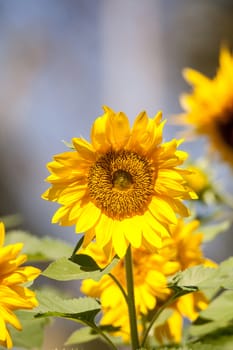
[86,334]
[77,309]
[31,326]
[217,316]
[200,278]
[39,248]
[64,269]
[82,335]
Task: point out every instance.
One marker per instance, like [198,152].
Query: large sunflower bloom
[124,187]
[13,295]
[209,107]
[181,250]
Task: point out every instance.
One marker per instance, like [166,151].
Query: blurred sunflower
[124,187]
[209,107]
[181,250]
[13,296]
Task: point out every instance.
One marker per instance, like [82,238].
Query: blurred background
[60,61]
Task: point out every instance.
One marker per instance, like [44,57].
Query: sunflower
[181,250]
[150,284]
[209,107]
[124,187]
[13,295]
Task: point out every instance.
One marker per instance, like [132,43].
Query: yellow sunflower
[209,107]
[149,284]
[124,187]
[13,296]
[181,250]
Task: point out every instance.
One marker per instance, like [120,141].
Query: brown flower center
[225,127]
[121,184]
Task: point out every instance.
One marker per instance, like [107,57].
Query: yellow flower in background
[13,295]
[124,187]
[181,250]
[209,107]
[187,241]
[197,179]
[149,284]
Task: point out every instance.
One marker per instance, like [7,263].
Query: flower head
[13,295]
[181,250]
[209,107]
[124,187]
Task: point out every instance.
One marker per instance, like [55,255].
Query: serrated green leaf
[51,303]
[65,270]
[39,248]
[192,278]
[82,335]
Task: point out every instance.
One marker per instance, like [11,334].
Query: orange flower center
[121,184]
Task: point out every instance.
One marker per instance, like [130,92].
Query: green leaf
[86,334]
[192,278]
[39,248]
[86,262]
[50,304]
[224,342]
[217,316]
[65,270]
[32,334]
[220,308]
[207,328]
[82,335]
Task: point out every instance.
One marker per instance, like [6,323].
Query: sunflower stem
[131,300]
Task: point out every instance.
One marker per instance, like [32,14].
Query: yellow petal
[85,149]
[119,243]
[118,130]
[87,217]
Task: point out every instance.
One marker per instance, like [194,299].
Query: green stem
[156,315]
[120,287]
[104,336]
[131,300]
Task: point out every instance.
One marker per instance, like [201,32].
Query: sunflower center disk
[225,127]
[121,184]
[122,180]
